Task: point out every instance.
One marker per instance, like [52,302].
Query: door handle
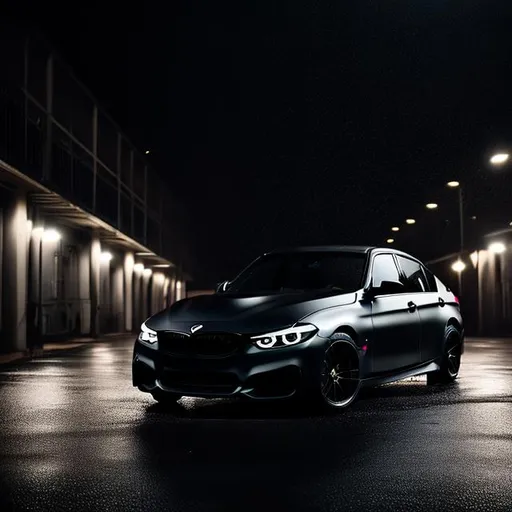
[411,305]
[441,302]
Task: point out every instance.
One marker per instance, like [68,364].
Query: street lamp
[410,221]
[499,158]
[431,206]
[390,240]
[396,228]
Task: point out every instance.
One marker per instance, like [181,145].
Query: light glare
[410,221]
[431,206]
[458,266]
[453,184]
[396,228]
[51,235]
[105,256]
[390,240]
[497,247]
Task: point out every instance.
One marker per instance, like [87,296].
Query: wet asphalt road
[75,435]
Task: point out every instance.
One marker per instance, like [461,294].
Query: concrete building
[89,234]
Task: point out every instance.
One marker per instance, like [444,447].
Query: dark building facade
[90,237]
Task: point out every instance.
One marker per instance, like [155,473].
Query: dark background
[304,122]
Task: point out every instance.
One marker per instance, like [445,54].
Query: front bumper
[253,372]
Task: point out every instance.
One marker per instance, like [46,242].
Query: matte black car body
[373,335]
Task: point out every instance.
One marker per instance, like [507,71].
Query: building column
[146,276]
[15,274]
[84,287]
[95,254]
[128,291]
[137,298]
[117,296]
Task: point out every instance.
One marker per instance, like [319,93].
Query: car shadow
[396,395]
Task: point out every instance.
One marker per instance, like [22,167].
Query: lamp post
[456,184]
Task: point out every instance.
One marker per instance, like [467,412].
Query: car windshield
[301,271]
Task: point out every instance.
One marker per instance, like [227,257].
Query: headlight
[286,337]
[147,335]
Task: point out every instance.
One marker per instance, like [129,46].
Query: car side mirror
[385,288]
[221,287]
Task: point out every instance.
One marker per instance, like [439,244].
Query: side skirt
[405,374]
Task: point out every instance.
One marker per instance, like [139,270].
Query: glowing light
[497,247]
[163,265]
[410,221]
[431,206]
[458,266]
[178,285]
[396,228]
[390,240]
[364,348]
[38,230]
[138,267]
[144,254]
[474,258]
[51,235]
[499,158]
[453,184]
[147,272]
[105,256]
[147,151]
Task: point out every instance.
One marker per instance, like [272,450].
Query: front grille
[200,382]
[200,345]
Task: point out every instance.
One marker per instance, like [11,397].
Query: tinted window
[431,280]
[285,272]
[384,269]
[415,280]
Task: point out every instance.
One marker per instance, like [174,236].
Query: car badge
[195,328]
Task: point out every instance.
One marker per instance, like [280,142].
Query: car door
[396,325]
[423,291]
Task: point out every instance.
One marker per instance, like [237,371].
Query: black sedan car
[312,322]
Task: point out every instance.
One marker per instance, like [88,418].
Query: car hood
[245,314]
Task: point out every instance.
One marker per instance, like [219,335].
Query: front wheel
[450,363]
[339,380]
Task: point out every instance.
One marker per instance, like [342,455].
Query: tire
[165,398]
[339,381]
[450,362]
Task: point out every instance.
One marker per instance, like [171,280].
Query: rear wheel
[339,379]
[165,398]
[450,363]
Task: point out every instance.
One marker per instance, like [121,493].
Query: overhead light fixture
[410,221]
[162,265]
[453,184]
[105,256]
[51,235]
[390,240]
[396,228]
[499,158]
[458,266]
[431,206]
[497,247]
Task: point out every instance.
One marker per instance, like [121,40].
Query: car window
[384,269]
[414,278]
[431,280]
[300,271]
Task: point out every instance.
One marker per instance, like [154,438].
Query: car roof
[360,249]
[363,249]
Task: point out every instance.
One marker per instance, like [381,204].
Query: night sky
[301,122]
